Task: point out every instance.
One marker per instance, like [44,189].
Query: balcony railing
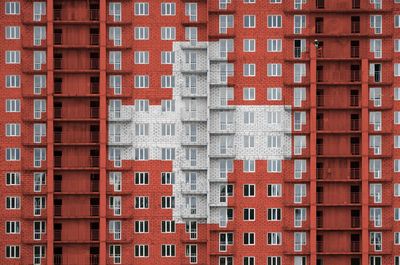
[94,14]
[355,197]
[94,112]
[94,161]
[354,125]
[320,197]
[356,4]
[57,186]
[354,100]
[94,234]
[57,87]
[320,124]
[355,76]
[320,246]
[94,63]
[354,173]
[94,137]
[57,161]
[94,88]
[355,51]
[320,149]
[68,259]
[58,63]
[58,38]
[355,149]
[58,137]
[355,222]
[57,14]
[93,211]
[320,222]
[355,246]
[94,186]
[57,234]
[94,39]
[355,27]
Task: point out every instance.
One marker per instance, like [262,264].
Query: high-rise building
[219,132]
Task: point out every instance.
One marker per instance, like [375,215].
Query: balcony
[64,138]
[72,212]
[331,102]
[355,52]
[355,76]
[320,149]
[320,246]
[59,15]
[355,197]
[338,174]
[355,246]
[69,259]
[93,162]
[92,113]
[320,197]
[94,40]
[60,65]
[320,222]
[355,222]
[355,149]
[94,88]
[354,125]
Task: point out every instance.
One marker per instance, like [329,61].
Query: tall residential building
[209,132]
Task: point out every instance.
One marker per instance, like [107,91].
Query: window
[274,214]
[397,214]
[274,21]
[274,165]
[300,216]
[39,10]
[13,154]
[114,228]
[141,202]
[39,155]
[12,8]
[249,260]
[13,129]
[167,81]
[249,70]
[248,117]
[249,21]
[115,179]
[13,81]
[142,129]
[397,45]
[225,22]
[13,105]
[274,190]
[115,35]
[39,107]
[167,202]
[115,59]
[114,203]
[115,11]
[376,23]
[167,178]
[13,32]
[115,253]
[274,238]
[168,33]
[141,57]
[13,178]
[39,229]
[299,23]
[274,93]
[299,240]
[39,252]
[248,141]
[13,227]
[274,45]
[167,153]
[141,33]
[274,260]
[115,83]
[168,226]
[168,9]
[300,192]
[168,250]
[397,21]
[191,11]
[167,105]
[13,57]
[249,214]
[167,129]
[39,203]
[39,34]
[397,238]
[376,240]
[141,226]
[249,190]
[274,141]
[142,105]
[375,46]
[141,250]
[249,165]
[397,189]
[249,238]
[13,202]
[396,258]
[167,57]
[249,45]
[141,178]
[141,9]
[12,252]
[274,69]
[273,117]
[275,1]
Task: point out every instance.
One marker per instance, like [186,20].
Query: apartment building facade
[219,132]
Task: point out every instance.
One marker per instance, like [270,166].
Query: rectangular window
[168,33]
[274,238]
[168,226]
[141,202]
[249,21]
[141,153]
[13,129]
[167,250]
[274,21]
[167,178]
[115,253]
[274,93]
[274,214]
[142,33]
[13,178]
[168,9]
[142,226]
[13,203]
[249,190]
[13,227]
[249,45]
[13,33]
[274,260]
[13,154]
[13,81]
[274,190]
[141,9]
[12,252]
[12,8]
[141,57]
[249,70]
[249,214]
[274,166]
[141,178]
[274,45]
[167,202]
[141,251]
[249,238]
[274,69]
[13,57]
